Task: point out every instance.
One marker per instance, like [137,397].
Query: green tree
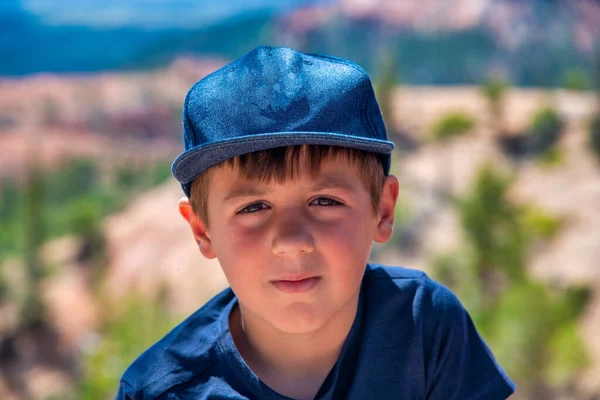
[453,124]
[531,327]
[594,129]
[85,221]
[594,135]
[130,328]
[576,79]
[11,210]
[596,75]
[444,129]
[494,90]
[545,130]
[32,311]
[387,81]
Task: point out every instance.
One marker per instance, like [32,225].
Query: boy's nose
[292,239]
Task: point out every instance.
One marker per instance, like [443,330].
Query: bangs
[282,164]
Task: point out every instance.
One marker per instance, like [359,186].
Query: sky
[147,13]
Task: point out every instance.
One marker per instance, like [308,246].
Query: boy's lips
[296,284]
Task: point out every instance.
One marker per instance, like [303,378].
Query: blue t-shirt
[411,339]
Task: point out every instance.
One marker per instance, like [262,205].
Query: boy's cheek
[351,231]
[339,233]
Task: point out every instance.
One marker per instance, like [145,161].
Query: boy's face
[294,253]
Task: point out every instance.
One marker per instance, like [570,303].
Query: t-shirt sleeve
[459,365]
[125,392]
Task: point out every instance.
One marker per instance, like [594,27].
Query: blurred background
[494,106]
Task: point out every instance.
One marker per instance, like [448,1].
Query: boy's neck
[294,365]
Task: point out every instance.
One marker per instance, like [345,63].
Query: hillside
[433,46]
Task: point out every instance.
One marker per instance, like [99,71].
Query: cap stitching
[366,82]
[259,139]
[187,116]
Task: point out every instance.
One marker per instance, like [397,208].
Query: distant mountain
[28,46]
[149,14]
[91,35]
[533,43]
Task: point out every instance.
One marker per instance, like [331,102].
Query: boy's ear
[198,228]
[387,205]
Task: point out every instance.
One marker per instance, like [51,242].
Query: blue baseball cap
[275,97]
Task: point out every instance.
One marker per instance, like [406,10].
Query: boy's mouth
[296,284]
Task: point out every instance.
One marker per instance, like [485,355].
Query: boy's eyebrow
[328,182]
[245,191]
[332,182]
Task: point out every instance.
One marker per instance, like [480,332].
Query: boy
[286,173]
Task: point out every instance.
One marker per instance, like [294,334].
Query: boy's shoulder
[387,282]
[430,343]
[185,353]
[396,293]
[380,271]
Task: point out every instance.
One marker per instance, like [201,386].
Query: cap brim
[193,162]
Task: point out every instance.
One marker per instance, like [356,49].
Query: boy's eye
[252,208]
[325,202]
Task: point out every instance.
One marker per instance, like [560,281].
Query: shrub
[595,135]
[453,124]
[545,130]
[540,223]
[532,327]
[494,89]
[135,326]
[576,79]
[552,157]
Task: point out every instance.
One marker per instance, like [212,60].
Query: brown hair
[284,163]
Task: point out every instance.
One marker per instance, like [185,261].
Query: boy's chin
[294,328]
[298,319]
